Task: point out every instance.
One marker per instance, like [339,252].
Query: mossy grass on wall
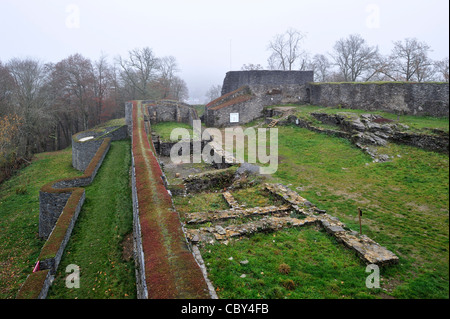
[57,240]
[103,253]
[116,124]
[170,269]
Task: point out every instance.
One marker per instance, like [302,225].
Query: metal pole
[359,215]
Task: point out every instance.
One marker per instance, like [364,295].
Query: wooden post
[359,215]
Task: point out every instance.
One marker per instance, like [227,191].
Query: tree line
[353,59]
[43,104]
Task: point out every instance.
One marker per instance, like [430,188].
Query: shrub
[284,268]
[289,284]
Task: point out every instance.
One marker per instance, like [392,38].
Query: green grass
[96,242]
[164,129]
[200,203]
[405,207]
[19,216]
[319,267]
[405,201]
[200,109]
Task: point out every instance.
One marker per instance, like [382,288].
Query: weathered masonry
[60,203]
[396,97]
[265,80]
[165,266]
[170,111]
[245,94]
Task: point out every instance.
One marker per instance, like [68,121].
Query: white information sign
[234,117]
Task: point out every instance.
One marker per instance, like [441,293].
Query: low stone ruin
[368,131]
[295,212]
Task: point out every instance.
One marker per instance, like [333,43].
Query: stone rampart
[60,203]
[170,111]
[430,99]
[266,78]
[85,144]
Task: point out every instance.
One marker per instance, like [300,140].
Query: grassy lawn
[19,217]
[405,208]
[301,263]
[102,230]
[405,202]
[164,129]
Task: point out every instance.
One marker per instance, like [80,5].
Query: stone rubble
[203,217]
[367,249]
[212,235]
[230,200]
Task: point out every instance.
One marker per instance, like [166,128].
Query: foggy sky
[209,37]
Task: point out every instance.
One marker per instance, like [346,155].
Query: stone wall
[396,97]
[54,196]
[128,116]
[170,111]
[60,203]
[138,252]
[84,151]
[265,88]
[236,79]
[249,102]
[248,92]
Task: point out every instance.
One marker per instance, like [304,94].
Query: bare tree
[321,67]
[178,89]
[30,100]
[105,88]
[76,78]
[441,69]
[7,88]
[354,58]
[101,84]
[168,67]
[214,92]
[139,70]
[286,50]
[409,60]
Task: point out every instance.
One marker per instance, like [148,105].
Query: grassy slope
[95,245]
[19,217]
[405,205]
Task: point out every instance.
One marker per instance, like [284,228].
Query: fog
[210,38]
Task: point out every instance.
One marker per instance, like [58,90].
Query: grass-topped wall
[60,204]
[85,144]
[168,268]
